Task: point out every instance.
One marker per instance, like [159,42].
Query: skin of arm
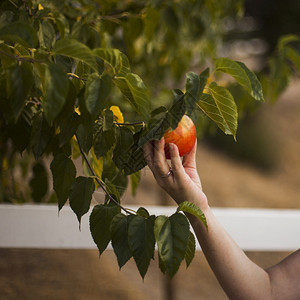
[239,277]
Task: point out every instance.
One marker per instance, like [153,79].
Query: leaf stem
[101,184]
[76,76]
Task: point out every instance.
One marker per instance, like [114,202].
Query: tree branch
[98,180]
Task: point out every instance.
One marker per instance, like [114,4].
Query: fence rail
[40,226]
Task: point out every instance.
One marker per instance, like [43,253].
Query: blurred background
[261,169]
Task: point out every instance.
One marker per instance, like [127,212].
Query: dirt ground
[80,274]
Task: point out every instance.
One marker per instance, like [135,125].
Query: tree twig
[23,58]
[98,180]
[130,123]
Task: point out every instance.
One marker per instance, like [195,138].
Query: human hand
[183,183]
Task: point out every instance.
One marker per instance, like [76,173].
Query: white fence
[40,226]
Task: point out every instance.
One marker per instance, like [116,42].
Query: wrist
[200,201]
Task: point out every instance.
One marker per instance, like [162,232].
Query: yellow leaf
[209,80]
[77,110]
[4,164]
[118,116]
[75,148]
[40,6]
[97,166]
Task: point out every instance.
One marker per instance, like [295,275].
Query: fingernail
[171,147]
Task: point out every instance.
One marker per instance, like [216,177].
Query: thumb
[189,160]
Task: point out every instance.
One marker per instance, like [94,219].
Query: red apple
[184,136]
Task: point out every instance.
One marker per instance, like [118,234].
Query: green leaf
[157,111]
[39,182]
[46,34]
[192,209]
[192,91]
[108,120]
[100,224]
[232,68]
[293,56]
[84,138]
[143,212]
[76,50]
[256,91]
[41,134]
[119,238]
[61,23]
[64,173]
[155,129]
[103,140]
[120,183]
[135,180]
[162,265]
[68,128]
[162,120]
[280,74]
[19,84]
[209,107]
[96,93]
[190,250]
[115,58]
[19,32]
[67,112]
[203,80]
[56,88]
[136,161]
[122,150]
[81,195]
[20,131]
[135,91]
[242,74]
[176,111]
[141,241]
[171,235]
[226,107]
[7,56]
[285,40]
[111,187]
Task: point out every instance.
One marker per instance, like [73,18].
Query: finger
[176,162]
[148,154]
[189,160]
[158,153]
[160,165]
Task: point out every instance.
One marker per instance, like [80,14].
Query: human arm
[238,275]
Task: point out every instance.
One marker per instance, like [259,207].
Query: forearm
[239,276]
